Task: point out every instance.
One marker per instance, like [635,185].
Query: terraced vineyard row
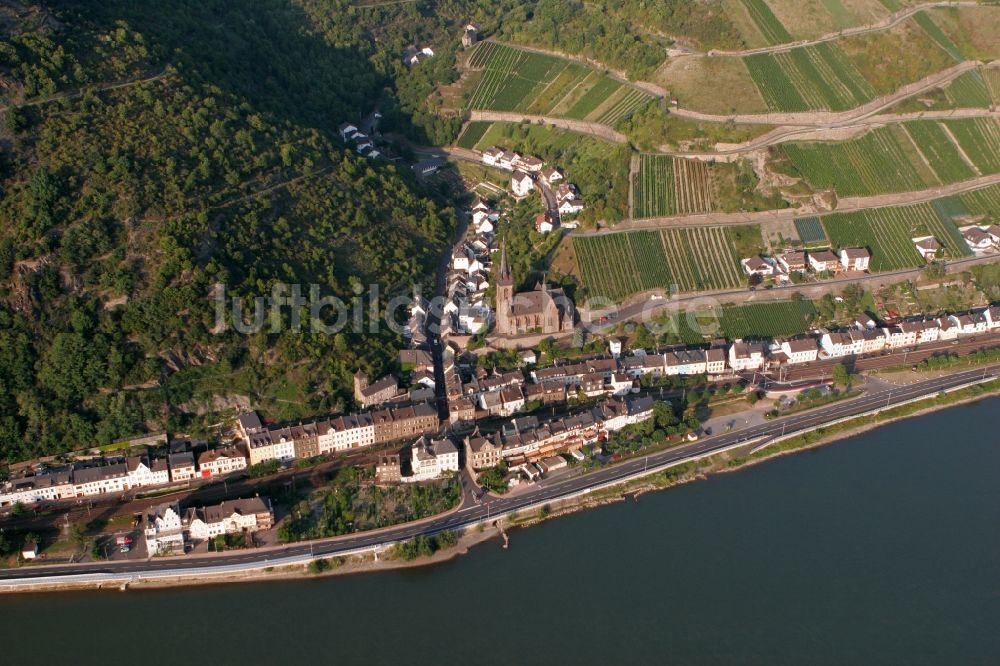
[653,187]
[941,152]
[667,186]
[766,320]
[875,163]
[992,77]
[937,34]
[768,24]
[980,140]
[514,79]
[969,91]
[985,201]
[629,101]
[687,259]
[809,78]
[692,187]
[887,232]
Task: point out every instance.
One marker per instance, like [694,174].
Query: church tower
[505,294]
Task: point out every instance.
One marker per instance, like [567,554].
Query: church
[543,310]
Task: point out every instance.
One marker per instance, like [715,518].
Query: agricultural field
[666,185]
[969,91]
[684,259]
[472,134]
[980,140]
[881,161]
[810,231]
[512,79]
[941,152]
[887,233]
[765,20]
[985,201]
[809,78]
[992,77]
[766,320]
[809,19]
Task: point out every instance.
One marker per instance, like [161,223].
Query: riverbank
[381,558]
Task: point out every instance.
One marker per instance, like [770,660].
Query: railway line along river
[883,548]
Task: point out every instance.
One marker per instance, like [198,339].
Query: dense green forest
[152,150]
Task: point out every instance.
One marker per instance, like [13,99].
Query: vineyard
[766,320]
[991,75]
[514,79]
[472,134]
[887,232]
[969,91]
[809,78]
[767,22]
[980,140]
[878,162]
[684,259]
[941,152]
[985,201]
[667,186]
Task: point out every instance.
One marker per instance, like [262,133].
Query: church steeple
[504,277]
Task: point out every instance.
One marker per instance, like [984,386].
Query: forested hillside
[151,150]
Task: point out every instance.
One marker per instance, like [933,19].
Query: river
[884,548]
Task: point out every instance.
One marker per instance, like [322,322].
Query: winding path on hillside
[70,94]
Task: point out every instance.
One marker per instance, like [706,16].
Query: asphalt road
[544,492]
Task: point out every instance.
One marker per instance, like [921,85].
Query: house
[615,347]
[746,355]
[29,550]
[368,394]
[794,261]
[469,37]
[182,466]
[221,461]
[388,469]
[528,163]
[994,233]
[507,159]
[163,529]
[429,459]
[483,452]
[529,357]
[757,266]
[229,517]
[552,175]
[101,479]
[800,350]
[686,362]
[552,463]
[142,473]
[428,167]
[823,261]
[347,131]
[621,384]
[855,258]
[971,323]
[863,321]
[418,57]
[928,247]
[838,344]
[977,239]
[521,184]
[570,206]
[993,317]
[715,361]
[543,223]
[491,156]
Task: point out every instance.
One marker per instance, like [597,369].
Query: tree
[841,375]
[753,397]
